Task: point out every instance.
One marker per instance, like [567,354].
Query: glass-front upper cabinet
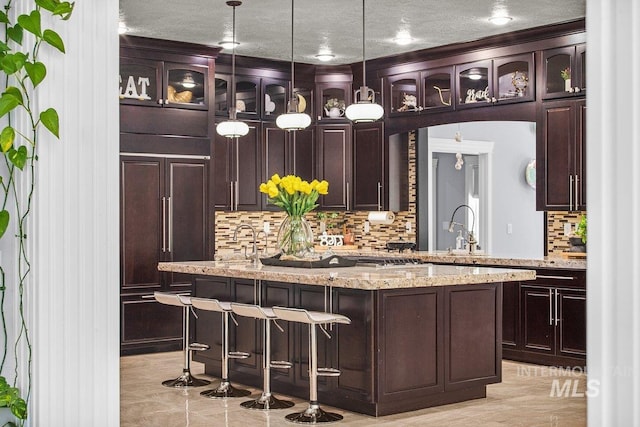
[513,79]
[438,89]
[475,84]
[275,98]
[565,72]
[333,98]
[404,95]
[247,95]
[186,86]
[163,84]
[304,92]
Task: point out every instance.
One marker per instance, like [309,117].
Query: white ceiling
[263,27]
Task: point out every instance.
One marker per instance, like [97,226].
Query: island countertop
[364,278]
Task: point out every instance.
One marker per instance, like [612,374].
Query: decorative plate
[530,174]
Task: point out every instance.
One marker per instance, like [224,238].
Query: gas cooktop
[365,261]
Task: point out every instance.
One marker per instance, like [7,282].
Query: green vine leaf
[18,157]
[3,46]
[7,103]
[64,10]
[19,408]
[7,136]
[4,221]
[49,5]
[36,72]
[49,119]
[53,39]
[4,18]
[15,33]
[31,23]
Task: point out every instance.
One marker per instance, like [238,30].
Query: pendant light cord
[232,110]
[292,63]
[364,80]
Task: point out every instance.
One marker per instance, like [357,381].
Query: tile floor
[522,399]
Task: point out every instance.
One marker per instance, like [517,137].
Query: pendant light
[233,128]
[293,119]
[364,108]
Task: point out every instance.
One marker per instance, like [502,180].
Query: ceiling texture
[263,27]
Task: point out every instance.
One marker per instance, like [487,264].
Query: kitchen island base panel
[406,349]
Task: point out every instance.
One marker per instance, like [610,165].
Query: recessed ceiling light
[403,38]
[500,20]
[228,44]
[122,28]
[324,57]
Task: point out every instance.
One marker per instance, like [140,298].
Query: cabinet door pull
[556,305]
[379,196]
[570,192]
[169,248]
[575,182]
[231,195]
[576,89]
[542,276]
[235,208]
[347,196]
[164,224]
[550,307]
[160,101]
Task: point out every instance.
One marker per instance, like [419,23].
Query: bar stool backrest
[252,310]
[172,299]
[210,304]
[312,317]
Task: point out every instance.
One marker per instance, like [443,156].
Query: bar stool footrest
[196,346]
[238,355]
[280,364]
[328,372]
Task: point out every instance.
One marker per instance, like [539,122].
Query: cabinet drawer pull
[570,192]
[542,276]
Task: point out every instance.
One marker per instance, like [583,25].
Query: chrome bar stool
[266,400]
[225,389]
[313,414]
[186,379]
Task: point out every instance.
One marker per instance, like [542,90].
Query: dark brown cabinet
[334,165]
[154,83]
[496,81]
[417,91]
[561,156]
[164,217]
[237,170]
[368,167]
[287,153]
[544,320]
[248,99]
[564,72]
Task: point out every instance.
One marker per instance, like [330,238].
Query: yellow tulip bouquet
[291,193]
[296,197]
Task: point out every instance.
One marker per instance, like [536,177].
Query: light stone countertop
[364,278]
[488,260]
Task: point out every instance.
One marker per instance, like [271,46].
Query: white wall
[513,201]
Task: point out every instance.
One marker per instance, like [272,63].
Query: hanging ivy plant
[23,72]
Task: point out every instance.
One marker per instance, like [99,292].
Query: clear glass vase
[295,236]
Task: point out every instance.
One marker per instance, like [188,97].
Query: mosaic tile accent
[378,235]
[557,242]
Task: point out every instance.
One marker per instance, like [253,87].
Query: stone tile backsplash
[557,242]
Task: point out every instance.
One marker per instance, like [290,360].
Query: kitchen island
[421,335]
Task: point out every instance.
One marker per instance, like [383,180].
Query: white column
[75,291]
[613,165]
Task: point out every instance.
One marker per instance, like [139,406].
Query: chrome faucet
[471,240]
[254,253]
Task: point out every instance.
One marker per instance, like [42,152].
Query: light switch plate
[366,227]
[567,228]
